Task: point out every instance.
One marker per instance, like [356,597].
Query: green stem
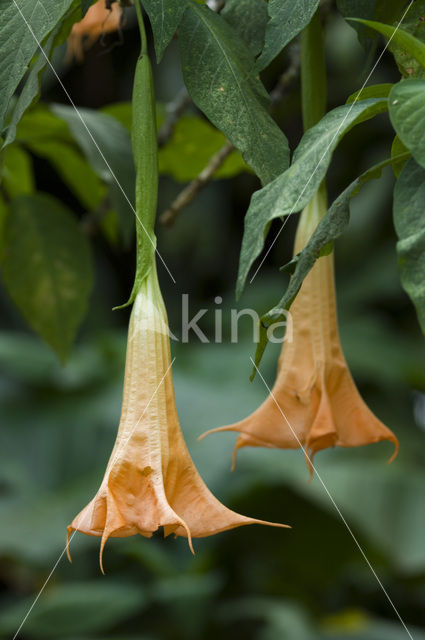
[143,39]
[313,80]
[313,73]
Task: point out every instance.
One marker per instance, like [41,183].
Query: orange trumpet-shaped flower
[97,21]
[150,480]
[314,403]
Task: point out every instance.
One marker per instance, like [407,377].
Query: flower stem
[143,39]
[313,73]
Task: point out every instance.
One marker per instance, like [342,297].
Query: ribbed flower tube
[314,403]
[151,480]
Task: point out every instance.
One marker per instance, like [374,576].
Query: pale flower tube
[314,403]
[151,480]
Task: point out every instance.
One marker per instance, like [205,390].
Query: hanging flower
[314,403]
[97,21]
[150,480]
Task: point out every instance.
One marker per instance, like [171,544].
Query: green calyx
[145,152]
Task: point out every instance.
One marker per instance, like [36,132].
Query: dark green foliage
[46,267]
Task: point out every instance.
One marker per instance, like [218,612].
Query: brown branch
[188,194]
[287,77]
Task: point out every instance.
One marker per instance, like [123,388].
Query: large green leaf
[47,268]
[75,609]
[328,230]
[287,19]
[107,146]
[409,221]
[18,176]
[372,91]
[190,149]
[406,105]
[47,136]
[31,89]
[74,170]
[219,73]
[249,19]
[399,36]
[24,24]
[397,149]
[165,16]
[291,191]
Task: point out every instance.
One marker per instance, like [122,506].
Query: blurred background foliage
[59,422]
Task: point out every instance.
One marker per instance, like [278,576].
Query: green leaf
[189,151]
[38,123]
[18,176]
[406,105]
[19,45]
[123,112]
[287,19]
[76,608]
[47,268]
[249,19]
[106,145]
[47,136]
[399,36]
[321,242]
[399,155]
[3,214]
[409,222]
[291,191]
[414,24]
[31,90]
[373,91]
[165,17]
[74,170]
[219,73]
[380,10]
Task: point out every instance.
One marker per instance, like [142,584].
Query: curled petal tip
[215,430]
[102,546]
[68,535]
[272,524]
[190,543]
[396,450]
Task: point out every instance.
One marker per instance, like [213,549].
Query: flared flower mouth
[150,480]
[314,403]
[98,20]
